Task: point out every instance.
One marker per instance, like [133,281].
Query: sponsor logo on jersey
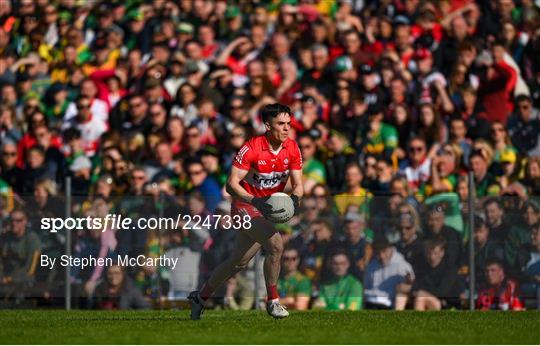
[269,180]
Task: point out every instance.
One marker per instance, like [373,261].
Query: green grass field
[255,327]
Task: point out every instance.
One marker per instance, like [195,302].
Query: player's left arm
[297,182]
[297,188]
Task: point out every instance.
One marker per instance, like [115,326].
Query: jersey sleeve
[296,158]
[244,157]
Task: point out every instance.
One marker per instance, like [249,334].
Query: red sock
[206,291]
[271,291]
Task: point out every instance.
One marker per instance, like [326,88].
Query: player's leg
[245,248]
[264,233]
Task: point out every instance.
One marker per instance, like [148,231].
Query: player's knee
[275,246]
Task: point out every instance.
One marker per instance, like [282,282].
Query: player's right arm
[233,186]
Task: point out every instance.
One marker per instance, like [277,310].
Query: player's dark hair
[272,110]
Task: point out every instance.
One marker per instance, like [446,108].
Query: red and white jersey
[268,172]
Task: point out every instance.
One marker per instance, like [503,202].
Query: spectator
[184,277]
[485,183]
[357,243]
[204,184]
[384,273]
[458,132]
[474,114]
[497,83]
[411,246]
[317,250]
[98,108]
[485,249]
[439,286]
[436,228]
[10,172]
[294,287]
[313,169]
[90,126]
[523,126]
[417,167]
[340,154]
[118,292]
[343,291]
[302,235]
[501,293]
[19,257]
[163,163]
[502,232]
[528,266]
[354,196]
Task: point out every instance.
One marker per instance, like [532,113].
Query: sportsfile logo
[270,180]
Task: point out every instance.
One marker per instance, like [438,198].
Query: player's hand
[296,203]
[263,207]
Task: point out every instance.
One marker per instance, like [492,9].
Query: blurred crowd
[145,103]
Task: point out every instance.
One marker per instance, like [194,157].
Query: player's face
[278,129]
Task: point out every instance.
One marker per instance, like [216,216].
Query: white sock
[274,301]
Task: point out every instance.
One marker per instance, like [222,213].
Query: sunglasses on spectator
[83,106]
[9,153]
